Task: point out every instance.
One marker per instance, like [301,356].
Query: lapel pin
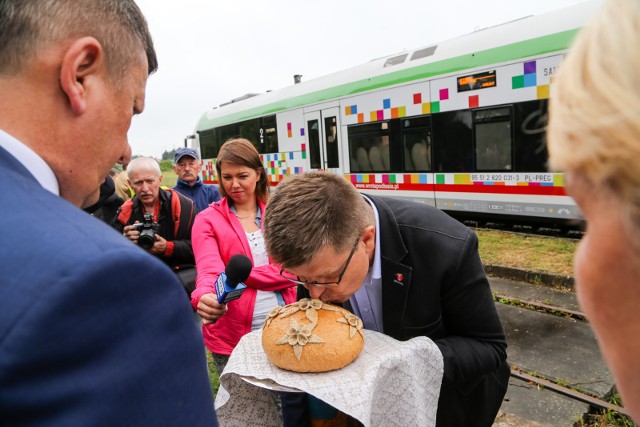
[398,279]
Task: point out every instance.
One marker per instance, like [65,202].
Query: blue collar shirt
[367,300]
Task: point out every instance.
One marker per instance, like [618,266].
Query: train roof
[522,38]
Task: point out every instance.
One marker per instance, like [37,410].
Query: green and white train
[459,125]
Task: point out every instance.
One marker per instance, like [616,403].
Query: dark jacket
[106,208]
[445,296]
[175,221]
[201,194]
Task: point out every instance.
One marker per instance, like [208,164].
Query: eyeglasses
[295,279]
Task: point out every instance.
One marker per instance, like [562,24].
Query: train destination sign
[477,81]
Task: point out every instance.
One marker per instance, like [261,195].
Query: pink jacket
[217,235]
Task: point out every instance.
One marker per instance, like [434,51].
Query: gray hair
[28,26]
[143,164]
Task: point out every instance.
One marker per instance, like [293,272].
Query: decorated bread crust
[312,336]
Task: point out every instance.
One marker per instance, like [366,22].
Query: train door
[323,139]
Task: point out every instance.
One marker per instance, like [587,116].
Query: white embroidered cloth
[391,383]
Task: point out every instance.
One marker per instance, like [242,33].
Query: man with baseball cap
[187,167]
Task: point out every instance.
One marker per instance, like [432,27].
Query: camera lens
[146,239]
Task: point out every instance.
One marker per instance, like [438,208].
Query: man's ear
[369,237]
[84,58]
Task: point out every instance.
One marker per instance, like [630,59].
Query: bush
[166,165]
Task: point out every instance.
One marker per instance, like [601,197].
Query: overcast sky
[211,51]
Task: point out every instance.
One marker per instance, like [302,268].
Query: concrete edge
[533,277]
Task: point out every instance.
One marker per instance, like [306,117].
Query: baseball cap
[181,152]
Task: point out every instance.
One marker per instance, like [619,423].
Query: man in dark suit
[93,330]
[407,270]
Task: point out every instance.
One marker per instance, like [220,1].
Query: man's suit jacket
[93,331]
[444,295]
[434,285]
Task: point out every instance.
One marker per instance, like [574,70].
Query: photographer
[166,230]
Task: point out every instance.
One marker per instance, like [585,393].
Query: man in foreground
[187,167]
[93,331]
[406,270]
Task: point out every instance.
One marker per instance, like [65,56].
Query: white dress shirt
[31,161]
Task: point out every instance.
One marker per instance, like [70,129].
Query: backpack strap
[182,210]
[124,212]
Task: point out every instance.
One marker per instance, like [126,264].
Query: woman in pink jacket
[228,227]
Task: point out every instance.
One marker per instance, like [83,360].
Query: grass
[169,178]
[605,417]
[213,375]
[531,253]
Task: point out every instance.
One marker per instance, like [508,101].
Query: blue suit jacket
[93,331]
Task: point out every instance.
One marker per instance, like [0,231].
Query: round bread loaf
[312,336]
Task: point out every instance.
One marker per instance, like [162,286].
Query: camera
[147,231]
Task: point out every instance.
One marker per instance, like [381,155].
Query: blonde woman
[594,136]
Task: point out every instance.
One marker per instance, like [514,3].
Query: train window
[530,146]
[452,141]
[261,132]
[331,138]
[399,59]
[208,148]
[314,144]
[492,114]
[493,139]
[369,147]
[223,133]
[416,142]
[250,129]
[269,134]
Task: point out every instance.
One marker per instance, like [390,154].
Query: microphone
[229,285]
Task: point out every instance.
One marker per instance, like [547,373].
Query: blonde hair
[308,212]
[594,125]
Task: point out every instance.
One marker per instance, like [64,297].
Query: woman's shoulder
[215,212]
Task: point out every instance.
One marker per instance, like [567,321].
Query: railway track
[528,230]
[551,384]
[557,374]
